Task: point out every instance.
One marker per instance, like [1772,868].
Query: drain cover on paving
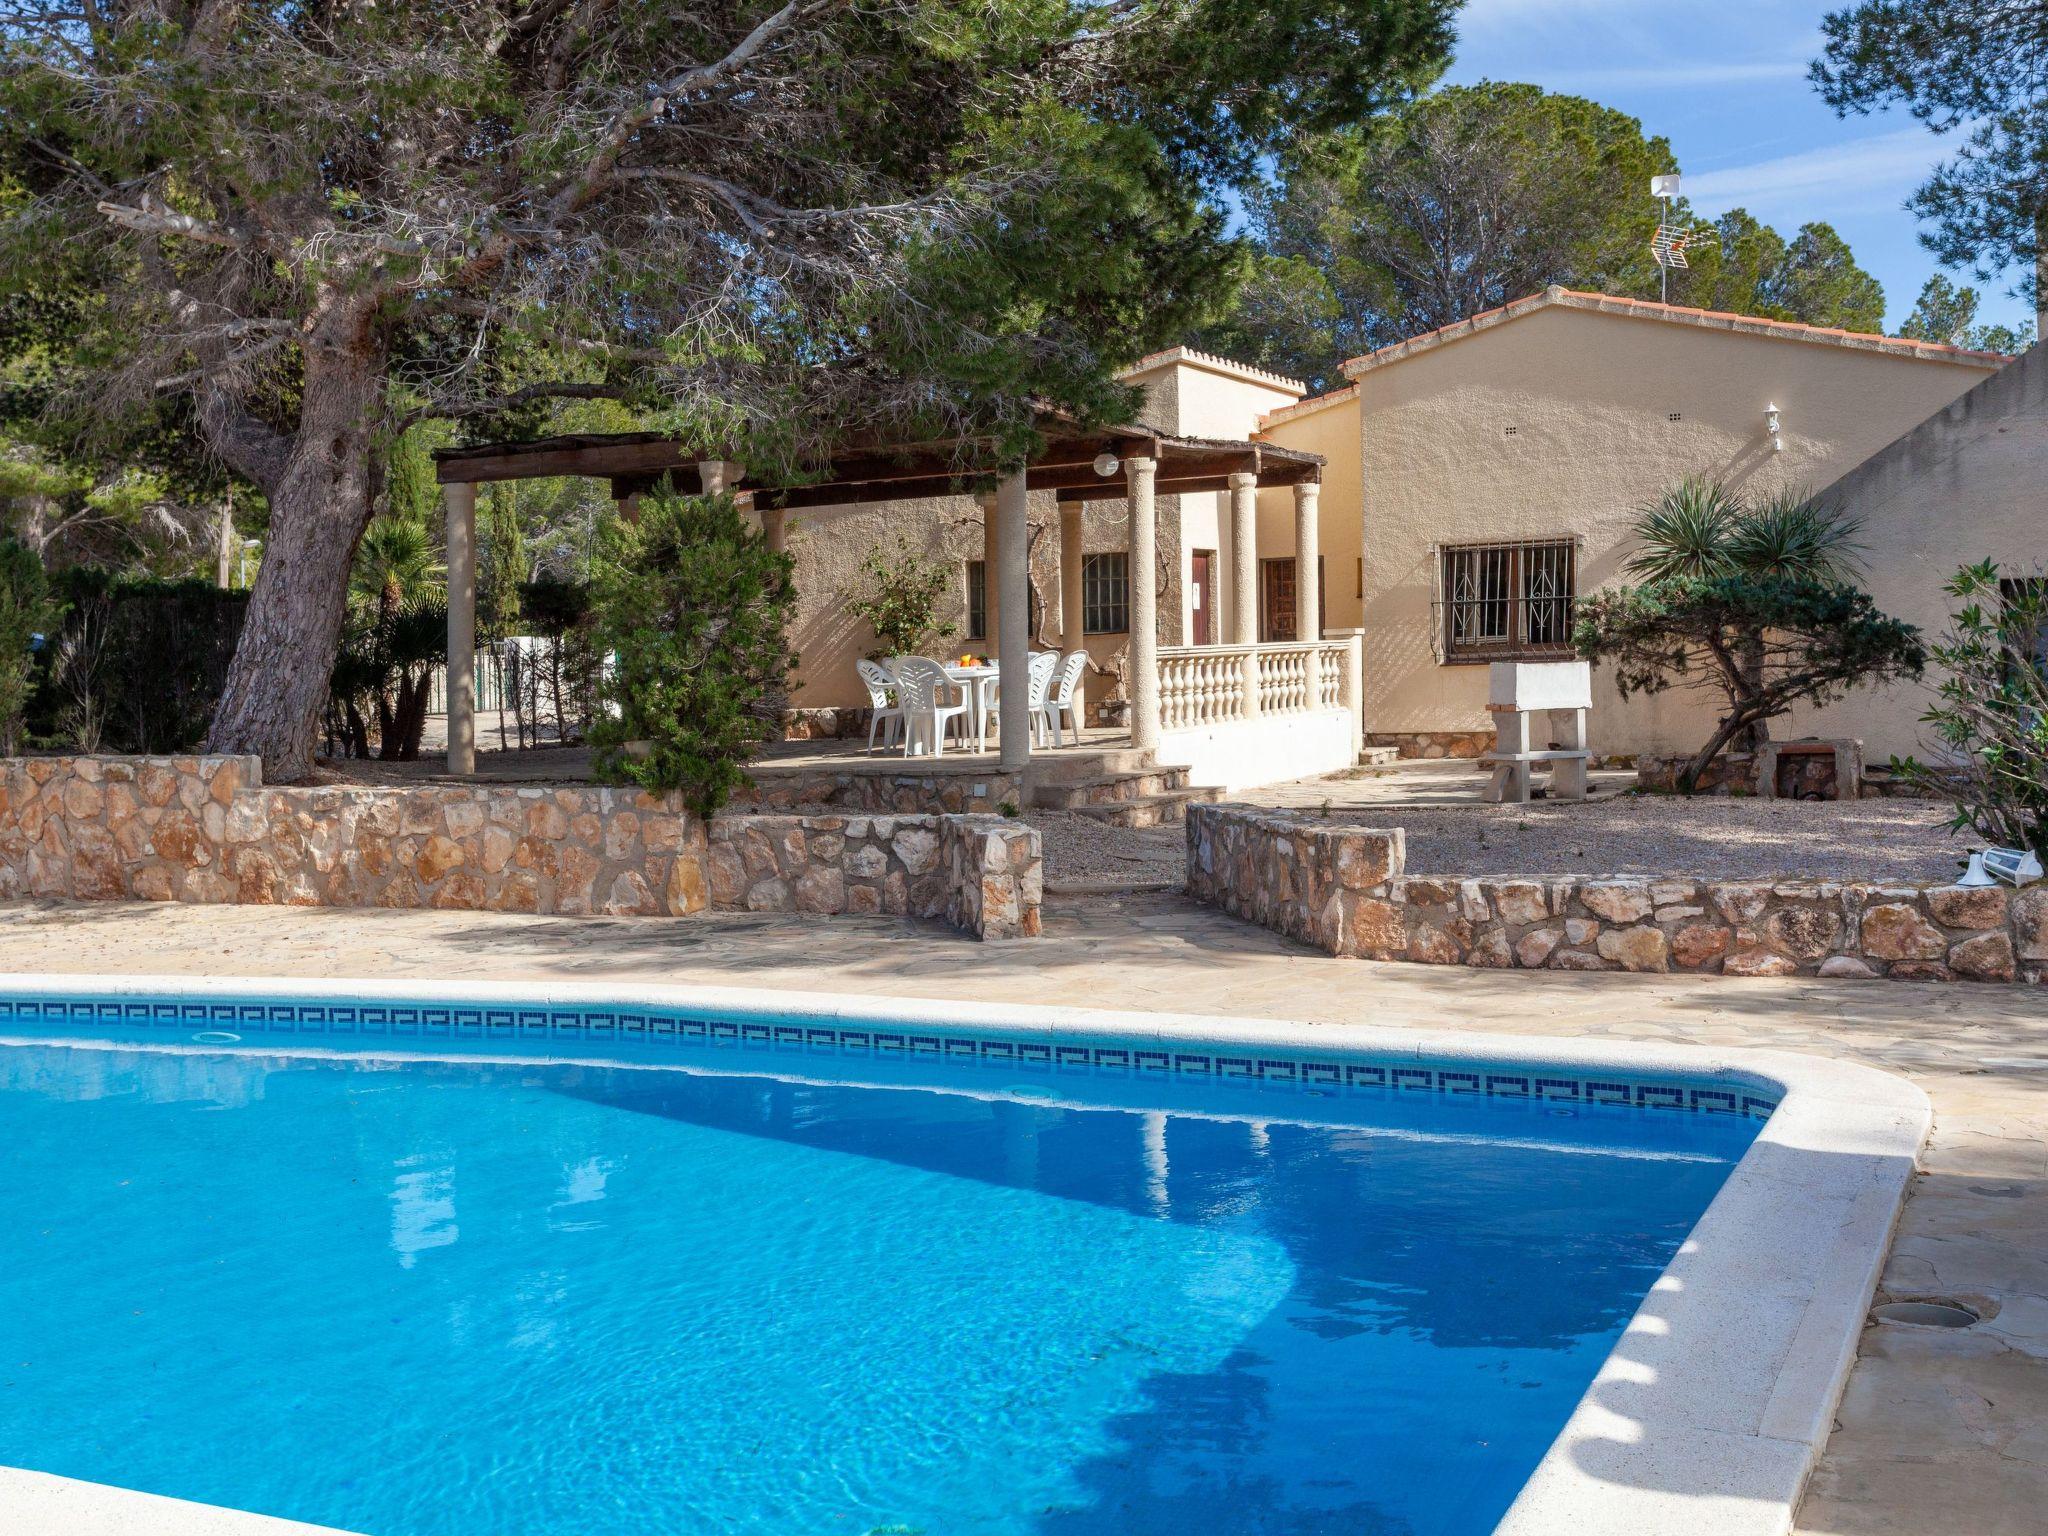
[1926,1314]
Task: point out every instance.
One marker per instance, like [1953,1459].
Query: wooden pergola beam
[635,463]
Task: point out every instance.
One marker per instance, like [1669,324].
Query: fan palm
[396,569]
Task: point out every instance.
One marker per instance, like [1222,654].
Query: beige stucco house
[1482,474]
[1475,480]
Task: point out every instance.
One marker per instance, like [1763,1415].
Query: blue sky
[1724,81]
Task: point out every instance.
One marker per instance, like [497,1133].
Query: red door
[1200,596]
[1276,600]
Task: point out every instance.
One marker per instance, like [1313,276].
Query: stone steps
[1106,789]
[1069,765]
[1159,810]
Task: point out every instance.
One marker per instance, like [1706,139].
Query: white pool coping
[1708,1415]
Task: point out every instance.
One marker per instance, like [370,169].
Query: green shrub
[1991,709]
[137,664]
[899,599]
[693,608]
[1763,643]
[27,611]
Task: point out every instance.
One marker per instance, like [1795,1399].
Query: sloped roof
[1555,297]
[1307,407]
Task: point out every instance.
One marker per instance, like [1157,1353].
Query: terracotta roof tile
[1650,309]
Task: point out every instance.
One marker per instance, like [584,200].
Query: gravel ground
[1079,849]
[1877,840]
[1711,837]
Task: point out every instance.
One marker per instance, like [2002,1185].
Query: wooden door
[1201,596]
[1276,600]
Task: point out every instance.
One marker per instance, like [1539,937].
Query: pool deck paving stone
[1939,1431]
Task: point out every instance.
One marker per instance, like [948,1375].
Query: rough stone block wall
[983,874]
[1433,744]
[204,829]
[1308,878]
[1732,773]
[904,794]
[995,875]
[1296,873]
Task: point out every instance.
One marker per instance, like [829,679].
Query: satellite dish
[1664,186]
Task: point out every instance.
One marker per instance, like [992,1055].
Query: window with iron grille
[977,600]
[1105,594]
[1506,601]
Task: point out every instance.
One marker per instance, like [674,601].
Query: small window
[977,600]
[1105,593]
[1504,601]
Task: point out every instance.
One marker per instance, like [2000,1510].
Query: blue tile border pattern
[513,1025]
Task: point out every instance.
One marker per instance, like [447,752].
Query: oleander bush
[1990,715]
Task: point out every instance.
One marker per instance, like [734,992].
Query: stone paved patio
[1940,1432]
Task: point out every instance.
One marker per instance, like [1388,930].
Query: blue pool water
[417,1298]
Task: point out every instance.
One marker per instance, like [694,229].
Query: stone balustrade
[1205,685]
[1342,889]
[207,830]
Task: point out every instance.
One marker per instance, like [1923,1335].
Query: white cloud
[1878,171]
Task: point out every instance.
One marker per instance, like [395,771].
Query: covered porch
[1214,704]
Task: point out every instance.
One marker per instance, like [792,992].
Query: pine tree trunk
[277,684]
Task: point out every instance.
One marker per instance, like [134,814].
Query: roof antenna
[1669,243]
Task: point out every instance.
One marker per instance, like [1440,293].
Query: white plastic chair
[921,688]
[1067,696]
[1045,666]
[883,711]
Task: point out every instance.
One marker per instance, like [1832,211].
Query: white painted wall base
[1273,749]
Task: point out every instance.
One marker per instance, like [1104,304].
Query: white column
[1013,621]
[1244,582]
[1308,588]
[717,476]
[1144,570]
[459,503]
[1244,559]
[1072,554]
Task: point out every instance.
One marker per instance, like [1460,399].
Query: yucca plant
[1687,531]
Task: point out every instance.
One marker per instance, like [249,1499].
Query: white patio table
[976,682]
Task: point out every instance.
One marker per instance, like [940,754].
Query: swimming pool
[411,1267]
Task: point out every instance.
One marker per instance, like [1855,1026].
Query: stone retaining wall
[206,830]
[1342,889]
[984,874]
[880,793]
[1304,876]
